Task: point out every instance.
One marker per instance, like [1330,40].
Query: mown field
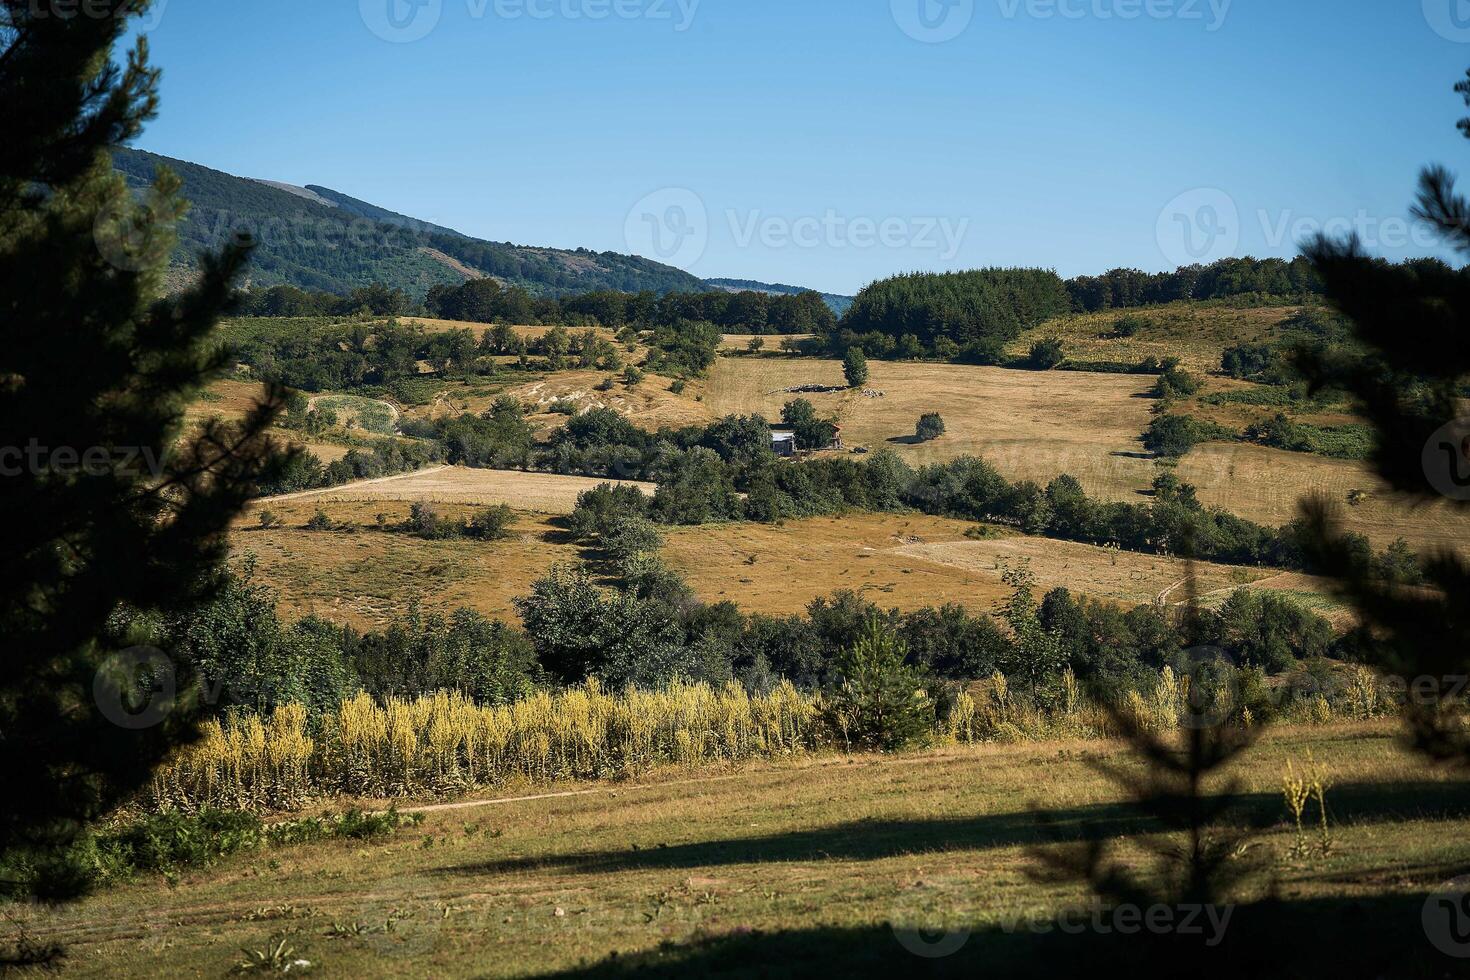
[365,576]
[833,864]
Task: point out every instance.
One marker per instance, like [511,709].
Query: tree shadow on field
[1372,936]
[905,441]
[873,839]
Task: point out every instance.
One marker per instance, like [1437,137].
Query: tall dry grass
[444,743]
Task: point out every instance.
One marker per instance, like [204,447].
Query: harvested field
[1031,425]
[741,341]
[366,576]
[1266,485]
[546,493]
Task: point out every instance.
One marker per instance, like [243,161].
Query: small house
[783,442]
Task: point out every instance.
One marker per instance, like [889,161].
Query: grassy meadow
[782,867]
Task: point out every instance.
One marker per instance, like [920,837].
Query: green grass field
[831,863]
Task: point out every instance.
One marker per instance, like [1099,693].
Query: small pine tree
[855,368]
[879,702]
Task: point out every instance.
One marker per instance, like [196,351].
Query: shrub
[756,345]
[879,701]
[855,368]
[1130,324]
[490,523]
[269,519]
[1046,355]
[1176,383]
[319,521]
[812,431]
[930,427]
[632,376]
[1174,435]
[563,406]
[678,386]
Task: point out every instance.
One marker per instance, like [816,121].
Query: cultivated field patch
[547,493]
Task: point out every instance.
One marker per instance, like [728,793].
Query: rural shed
[783,442]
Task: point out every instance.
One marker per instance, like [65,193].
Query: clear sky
[827,143]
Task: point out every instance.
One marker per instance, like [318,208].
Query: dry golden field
[368,577]
[546,493]
[1031,425]
[905,562]
[1197,334]
[741,341]
[1265,485]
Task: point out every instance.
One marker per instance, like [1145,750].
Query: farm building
[783,442]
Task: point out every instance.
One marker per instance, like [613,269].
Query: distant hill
[320,239]
[839,304]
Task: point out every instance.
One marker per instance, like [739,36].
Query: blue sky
[820,142]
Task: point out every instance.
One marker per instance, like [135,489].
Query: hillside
[317,238]
[839,304]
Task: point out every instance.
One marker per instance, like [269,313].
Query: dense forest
[984,306]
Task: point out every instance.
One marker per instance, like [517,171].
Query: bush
[1172,436]
[1130,324]
[930,427]
[879,701]
[1176,383]
[855,368]
[319,521]
[490,523]
[1046,355]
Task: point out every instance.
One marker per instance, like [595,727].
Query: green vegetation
[98,368]
[346,244]
[984,307]
[855,368]
[930,427]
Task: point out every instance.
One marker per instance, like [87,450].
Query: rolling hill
[838,303]
[317,238]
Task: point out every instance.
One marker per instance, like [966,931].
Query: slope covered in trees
[988,306]
[304,243]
